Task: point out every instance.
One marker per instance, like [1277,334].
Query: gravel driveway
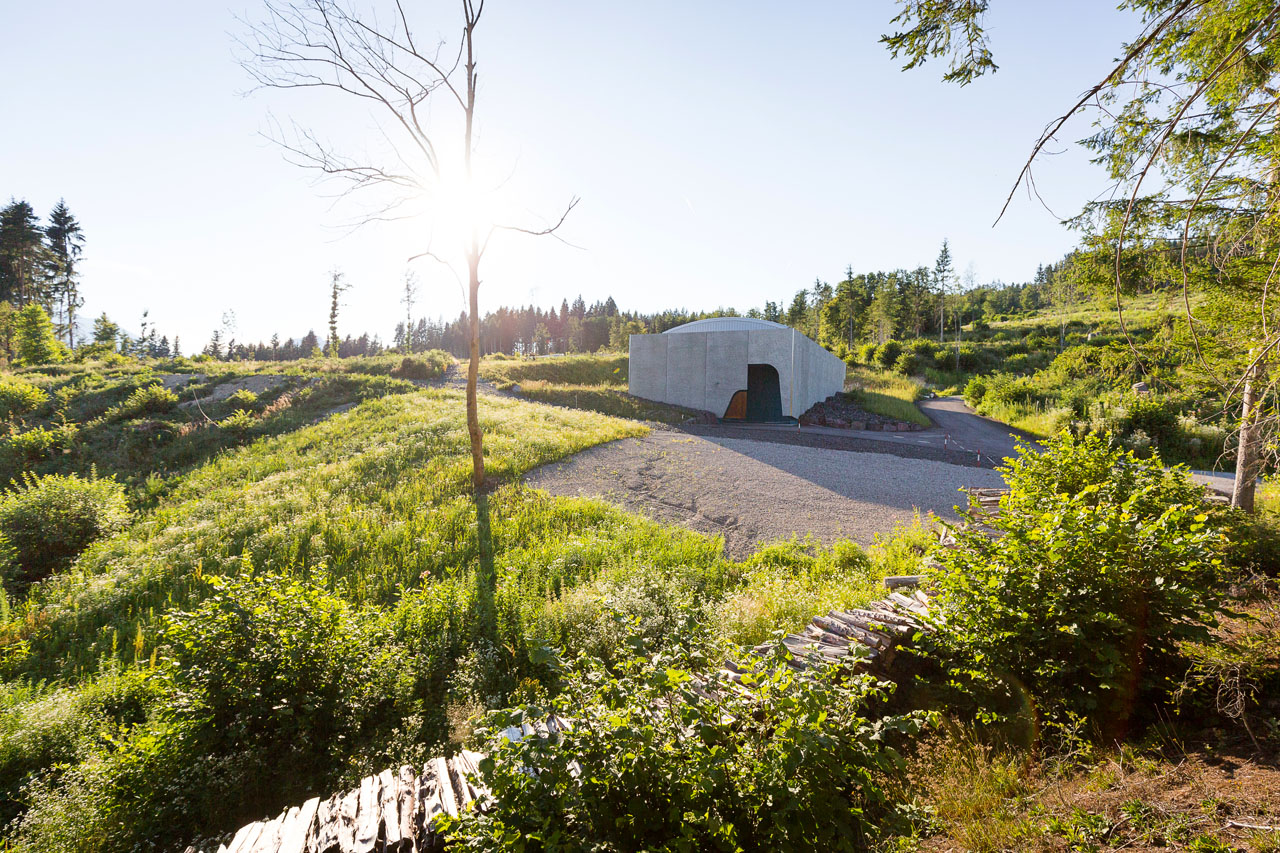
[754,491]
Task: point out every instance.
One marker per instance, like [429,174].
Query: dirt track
[754,491]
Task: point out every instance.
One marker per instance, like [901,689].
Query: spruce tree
[943,273]
[22,254]
[65,241]
[34,340]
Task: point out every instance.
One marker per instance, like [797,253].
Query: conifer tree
[22,254]
[65,241]
[34,340]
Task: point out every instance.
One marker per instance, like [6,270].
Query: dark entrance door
[764,394]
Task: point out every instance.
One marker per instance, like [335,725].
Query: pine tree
[105,331]
[34,339]
[943,273]
[22,254]
[65,242]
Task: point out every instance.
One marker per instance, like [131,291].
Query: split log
[294,837]
[406,806]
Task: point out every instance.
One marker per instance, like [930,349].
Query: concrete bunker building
[737,368]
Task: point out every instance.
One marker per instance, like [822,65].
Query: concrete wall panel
[687,370]
[702,370]
[647,367]
[726,369]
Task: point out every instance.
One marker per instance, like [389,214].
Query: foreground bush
[49,520]
[654,763]
[259,692]
[1103,565]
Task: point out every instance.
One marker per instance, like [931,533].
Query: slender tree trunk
[473,269]
[1249,454]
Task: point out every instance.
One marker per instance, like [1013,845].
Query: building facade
[735,368]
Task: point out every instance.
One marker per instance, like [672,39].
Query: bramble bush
[48,521]
[653,762]
[1104,565]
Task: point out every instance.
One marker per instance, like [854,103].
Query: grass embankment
[883,392]
[116,417]
[596,383]
[325,602]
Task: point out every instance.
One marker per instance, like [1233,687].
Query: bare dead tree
[413,88]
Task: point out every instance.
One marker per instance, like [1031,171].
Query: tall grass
[883,392]
[606,370]
[606,400]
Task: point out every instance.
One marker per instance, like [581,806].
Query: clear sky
[725,153]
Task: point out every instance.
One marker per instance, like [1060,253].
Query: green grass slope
[322,603]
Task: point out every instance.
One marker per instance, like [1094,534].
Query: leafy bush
[974,391]
[238,422]
[429,365]
[887,354]
[148,400]
[34,444]
[260,691]
[242,399]
[19,398]
[1103,566]
[49,520]
[908,364]
[867,354]
[651,763]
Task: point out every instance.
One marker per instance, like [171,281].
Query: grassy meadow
[382,604]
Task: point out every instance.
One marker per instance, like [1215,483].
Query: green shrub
[908,364]
[259,693]
[790,764]
[887,354]
[242,399]
[238,422]
[32,445]
[867,354]
[19,398]
[1104,565]
[49,520]
[429,365]
[974,391]
[148,400]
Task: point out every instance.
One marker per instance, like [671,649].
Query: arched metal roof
[724,324]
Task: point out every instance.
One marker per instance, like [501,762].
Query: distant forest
[40,266]
[862,307]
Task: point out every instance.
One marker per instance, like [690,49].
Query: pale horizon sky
[724,154]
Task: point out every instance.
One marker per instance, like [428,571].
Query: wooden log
[808,644]
[242,841]
[839,622]
[448,796]
[364,833]
[387,824]
[407,806]
[326,836]
[895,581]
[457,766]
[818,633]
[346,823]
[269,840]
[900,599]
[294,838]
[882,616]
